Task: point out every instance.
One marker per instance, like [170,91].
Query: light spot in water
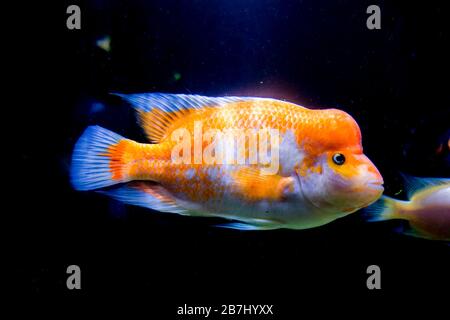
[176,76]
[97,107]
[104,43]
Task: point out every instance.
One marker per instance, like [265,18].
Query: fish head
[335,175]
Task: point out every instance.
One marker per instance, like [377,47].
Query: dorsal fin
[415,184]
[157,111]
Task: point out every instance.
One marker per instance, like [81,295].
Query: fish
[427,210]
[314,170]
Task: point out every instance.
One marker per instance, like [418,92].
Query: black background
[393,81]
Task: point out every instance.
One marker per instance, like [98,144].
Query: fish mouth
[376,185]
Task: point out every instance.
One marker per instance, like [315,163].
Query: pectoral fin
[254,186]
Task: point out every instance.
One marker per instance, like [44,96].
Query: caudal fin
[383,209]
[96,159]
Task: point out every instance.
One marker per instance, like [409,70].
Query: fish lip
[377,185]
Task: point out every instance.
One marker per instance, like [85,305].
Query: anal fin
[251,224]
[146,194]
[246,226]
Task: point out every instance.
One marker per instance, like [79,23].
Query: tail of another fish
[98,159]
[384,209]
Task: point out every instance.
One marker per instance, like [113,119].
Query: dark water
[393,81]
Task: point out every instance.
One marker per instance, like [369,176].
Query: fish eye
[339,158]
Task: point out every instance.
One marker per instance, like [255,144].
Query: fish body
[189,169]
[427,210]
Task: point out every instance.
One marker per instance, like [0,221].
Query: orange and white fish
[427,211]
[322,172]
